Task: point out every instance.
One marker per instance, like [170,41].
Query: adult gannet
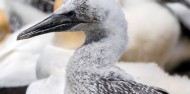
[151,38]
[18,59]
[181,51]
[91,69]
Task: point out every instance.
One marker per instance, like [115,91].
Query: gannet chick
[92,69]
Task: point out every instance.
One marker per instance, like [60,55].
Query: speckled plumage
[120,86]
[92,69]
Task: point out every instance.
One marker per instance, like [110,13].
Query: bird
[147,31]
[14,15]
[53,60]
[50,71]
[92,70]
[14,68]
[181,51]
[13,18]
[58,39]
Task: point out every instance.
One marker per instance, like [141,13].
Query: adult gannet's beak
[53,23]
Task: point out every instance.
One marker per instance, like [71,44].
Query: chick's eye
[71,14]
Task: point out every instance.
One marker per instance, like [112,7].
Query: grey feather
[119,86]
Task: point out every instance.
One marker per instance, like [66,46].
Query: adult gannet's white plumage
[92,69]
[153,32]
[19,60]
[54,69]
[142,72]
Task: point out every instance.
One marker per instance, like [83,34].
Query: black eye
[71,14]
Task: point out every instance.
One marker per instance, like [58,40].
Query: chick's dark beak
[53,23]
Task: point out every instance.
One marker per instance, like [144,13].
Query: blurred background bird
[17,67]
[179,61]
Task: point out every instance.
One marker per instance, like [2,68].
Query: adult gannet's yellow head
[57,3]
[4,25]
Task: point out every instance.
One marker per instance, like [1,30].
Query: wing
[119,86]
